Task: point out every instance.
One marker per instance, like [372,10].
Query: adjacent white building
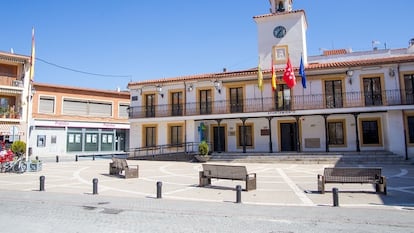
[353,101]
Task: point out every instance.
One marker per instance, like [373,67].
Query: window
[150,136]
[333,94]
[409,88]
[134,98]
[205,104]
[86,108]
[372,91]
[236,99]
[370,132]
[336,133]
[41,140]
[150,105]
[282,98]
[47,105]
[177,105]
[410,122]
[8,70]
[176,135]
[123,111]
[245,138]
[53,139]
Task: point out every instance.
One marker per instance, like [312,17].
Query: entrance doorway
[219,139]
[288,136]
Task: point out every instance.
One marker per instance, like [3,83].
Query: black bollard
[37,158]
[335,197]
[95,185]
[42,183]
[76,158]
[238,193]
[57,158]
[93,157]
[159,187]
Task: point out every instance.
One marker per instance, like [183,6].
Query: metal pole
[159,188]
[57,158]
[76,158]
[95,185]
[335,197]
[238,193]
[42,183]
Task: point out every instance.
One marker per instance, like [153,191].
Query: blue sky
[147,40]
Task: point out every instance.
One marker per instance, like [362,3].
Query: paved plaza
[285,198]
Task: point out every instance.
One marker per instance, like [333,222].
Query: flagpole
[29,97]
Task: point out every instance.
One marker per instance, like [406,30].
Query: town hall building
[343,100]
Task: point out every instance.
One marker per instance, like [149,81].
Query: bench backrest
[120,163]
[352,174]
[224,171]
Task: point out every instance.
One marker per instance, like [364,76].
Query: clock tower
[281,34]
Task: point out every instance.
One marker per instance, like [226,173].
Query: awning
[10,91]
[6,129]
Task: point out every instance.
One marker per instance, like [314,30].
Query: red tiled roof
[311,66]
[36,84]
[334,52]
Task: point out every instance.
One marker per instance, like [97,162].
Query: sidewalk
[277,184]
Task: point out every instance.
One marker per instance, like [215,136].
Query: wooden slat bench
[227,172]
[119,166]
[353,175]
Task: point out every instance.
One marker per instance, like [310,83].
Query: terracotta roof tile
[334,52]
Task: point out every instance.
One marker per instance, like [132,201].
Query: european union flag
[302,72]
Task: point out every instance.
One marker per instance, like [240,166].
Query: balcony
[274,104]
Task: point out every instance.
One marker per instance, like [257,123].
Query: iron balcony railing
[277,103]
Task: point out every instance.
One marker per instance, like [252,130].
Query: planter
[202,158]
[35,166]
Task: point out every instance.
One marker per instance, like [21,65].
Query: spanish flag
[273,77]
[32,56]
[259,77]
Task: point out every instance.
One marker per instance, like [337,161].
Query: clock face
[279,32]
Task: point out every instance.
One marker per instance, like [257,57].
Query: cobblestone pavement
[285,200]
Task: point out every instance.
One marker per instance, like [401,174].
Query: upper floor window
[333,94]
[86,108]
[205,103]
[150,105]
[176,103]
[236,99]
[409,88]
[8,70]
[372,91]
[123,111]
[282,98]
[47,105]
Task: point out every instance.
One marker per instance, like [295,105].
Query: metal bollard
[76,158]
[238,193]
[159,188]
[95,185]
[57,158]
[42,183]
[93,157]
[37,158]
[335,197]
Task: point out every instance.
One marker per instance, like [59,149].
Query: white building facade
[353,101]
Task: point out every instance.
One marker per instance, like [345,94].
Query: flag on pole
[32,57]
[259,77]
[273,77]
[289,75]
[302,72]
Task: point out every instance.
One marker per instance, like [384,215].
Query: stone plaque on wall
[312,142]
